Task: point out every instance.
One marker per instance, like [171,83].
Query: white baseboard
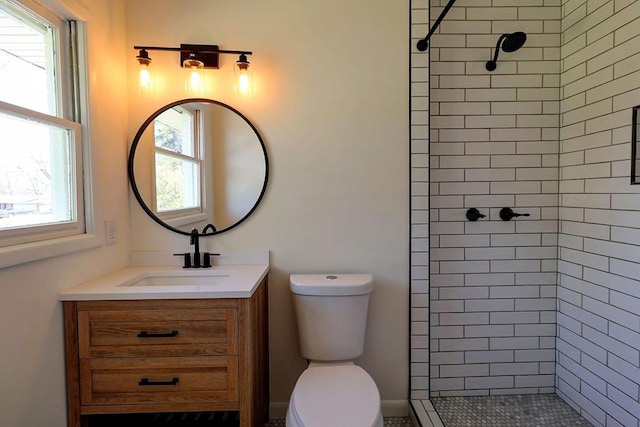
[390,408]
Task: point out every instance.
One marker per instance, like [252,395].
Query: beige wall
[331,102]
[32,393]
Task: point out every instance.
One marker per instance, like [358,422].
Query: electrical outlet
[111,235]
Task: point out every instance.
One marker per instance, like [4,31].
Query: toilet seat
[335,395]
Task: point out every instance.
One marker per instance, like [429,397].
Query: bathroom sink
[230,280]
[171,278]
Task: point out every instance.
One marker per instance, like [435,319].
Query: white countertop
[219,281]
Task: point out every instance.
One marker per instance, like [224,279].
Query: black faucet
[195,240]
[198,261]
[209,227]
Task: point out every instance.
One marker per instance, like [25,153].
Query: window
[177,163]
[41,185]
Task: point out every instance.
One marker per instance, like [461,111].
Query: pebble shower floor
[531,410]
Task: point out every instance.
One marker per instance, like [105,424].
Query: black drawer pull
[145,381]
[145,334]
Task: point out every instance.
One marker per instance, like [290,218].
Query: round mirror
[198,163]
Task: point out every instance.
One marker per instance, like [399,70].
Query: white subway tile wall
[495,144]
[598,342]
[419,203]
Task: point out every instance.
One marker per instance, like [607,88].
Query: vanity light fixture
[194,58]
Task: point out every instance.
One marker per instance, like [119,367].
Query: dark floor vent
[169,419]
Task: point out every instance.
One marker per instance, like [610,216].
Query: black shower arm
[424,43]
[495,54]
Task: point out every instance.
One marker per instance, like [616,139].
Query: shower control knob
[507,214]
[474,214]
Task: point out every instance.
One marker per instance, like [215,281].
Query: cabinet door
[159,380]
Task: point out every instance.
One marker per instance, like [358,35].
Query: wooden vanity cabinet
[182,355]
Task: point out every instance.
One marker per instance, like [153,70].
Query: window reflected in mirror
[178,177]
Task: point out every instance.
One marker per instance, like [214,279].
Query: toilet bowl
[336,395]
[331,311]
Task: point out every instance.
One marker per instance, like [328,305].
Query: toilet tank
[331,310]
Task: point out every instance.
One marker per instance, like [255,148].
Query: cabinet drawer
[159,380]
[139,333]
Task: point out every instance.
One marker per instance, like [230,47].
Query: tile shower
[548,303]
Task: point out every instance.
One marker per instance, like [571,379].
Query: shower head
[509,42]
[514,41]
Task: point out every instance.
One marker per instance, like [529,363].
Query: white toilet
[332,317]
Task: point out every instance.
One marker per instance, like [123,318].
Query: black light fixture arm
[204,49]
[199,55]
[424,43]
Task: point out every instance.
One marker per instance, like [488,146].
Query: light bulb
[194,82]
[145,78]
[244,83]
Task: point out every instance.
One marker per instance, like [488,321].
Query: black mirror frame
[635,122]
[134,145]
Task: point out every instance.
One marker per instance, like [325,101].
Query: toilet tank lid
[331,284]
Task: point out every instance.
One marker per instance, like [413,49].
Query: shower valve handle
[507,214]
[474,214]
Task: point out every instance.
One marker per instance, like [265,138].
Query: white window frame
[39,242]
